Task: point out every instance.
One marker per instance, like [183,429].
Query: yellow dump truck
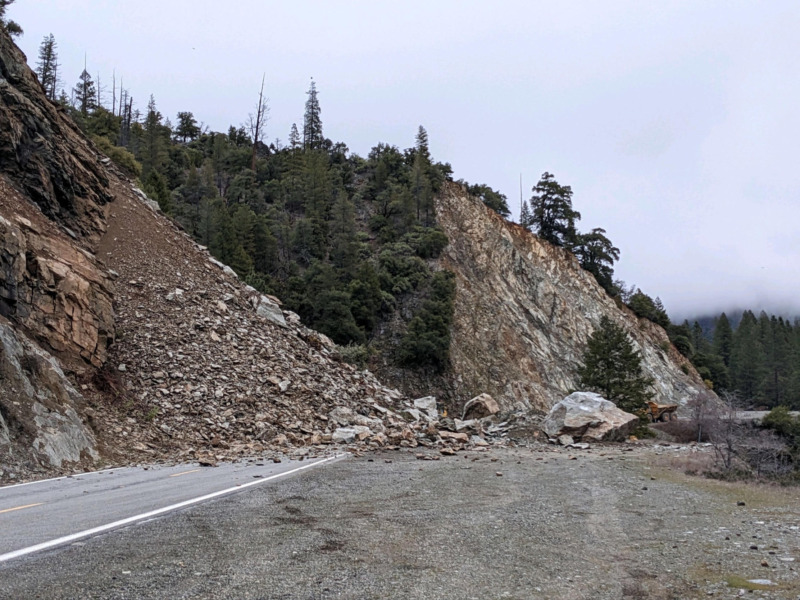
[661,412]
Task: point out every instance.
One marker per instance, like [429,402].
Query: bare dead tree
[727,432]
[257,123]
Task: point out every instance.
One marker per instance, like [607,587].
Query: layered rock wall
[53,288]
[44,154]
[524,312]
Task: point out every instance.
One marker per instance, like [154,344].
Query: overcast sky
[677,124]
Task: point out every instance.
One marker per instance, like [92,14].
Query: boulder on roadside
[348,435]
[480,407]
[472,424]
[589,417]
[456,437]
[428,406]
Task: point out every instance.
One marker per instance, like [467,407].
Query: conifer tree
[723,338]
[47,66]
[12,28]
[85,94]
[187,126]
[154,147]
[294,137]
[553,216]
[747,358]
[421,182]
[612,367]
[525,216]
[312,120]
[597,254]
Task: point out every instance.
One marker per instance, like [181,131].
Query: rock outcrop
[50,286]
[524,311]
[44,154]
[588,417]
[40,425]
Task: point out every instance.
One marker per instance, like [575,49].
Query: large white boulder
[589,417]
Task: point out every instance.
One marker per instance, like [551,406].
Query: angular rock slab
[589,417]
[480,407]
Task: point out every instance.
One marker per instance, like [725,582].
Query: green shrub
[119,156]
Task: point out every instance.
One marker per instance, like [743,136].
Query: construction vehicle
[661,412]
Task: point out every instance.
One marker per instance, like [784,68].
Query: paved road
[601,524]
[41,513]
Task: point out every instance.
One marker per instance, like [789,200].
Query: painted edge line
[16,485]
[153,513]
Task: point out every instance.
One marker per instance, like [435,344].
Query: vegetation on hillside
[343,241]
[612,367]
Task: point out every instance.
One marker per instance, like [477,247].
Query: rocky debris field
[205,367]
[537,522]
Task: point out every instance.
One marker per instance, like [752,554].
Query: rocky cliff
[525,310]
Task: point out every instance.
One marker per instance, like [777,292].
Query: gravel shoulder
[532,522]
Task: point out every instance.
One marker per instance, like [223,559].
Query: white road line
[95,530]
[16,485]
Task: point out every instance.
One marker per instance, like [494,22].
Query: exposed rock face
[588,417]
[524,311]
[39,421]
[44,154]
[52,287]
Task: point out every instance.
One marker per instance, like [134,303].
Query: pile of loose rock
[208,367]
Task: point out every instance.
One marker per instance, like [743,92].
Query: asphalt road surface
[526,523]
[39,515]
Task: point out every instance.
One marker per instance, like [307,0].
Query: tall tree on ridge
[525,216]
[312,120]
[47,66]
[597,254]
[187,126]
[85,94]
[553,215]
[257,123]
[420,176]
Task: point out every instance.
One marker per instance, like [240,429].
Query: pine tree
[723,338]
[187,127]
[294,138]
[47,66]
[525,216]
[312,121]
[85,94]
[153,152]
[553,216]
[747,358]
[597,254]
[612,367]
[12,28]
[422,188]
